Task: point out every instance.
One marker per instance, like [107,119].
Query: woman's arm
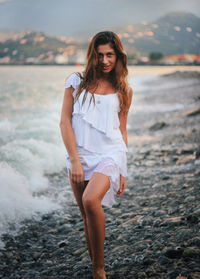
[77,173]
[123,118]
[123,122]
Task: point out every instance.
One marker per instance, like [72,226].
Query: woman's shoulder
[130,90]
[129,95]
[76,76]
[74,80]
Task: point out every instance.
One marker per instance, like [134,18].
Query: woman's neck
[104,77]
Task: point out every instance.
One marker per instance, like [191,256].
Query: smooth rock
[9,255]
[62,244]
[174,253]
[79,251]
[64,228]
[36,255]
[120,248]
[192,219]
[129,222]
[192,112]
[191,252]
[158,126]
[197,212]
[195,241]
[185,159]
[189,199]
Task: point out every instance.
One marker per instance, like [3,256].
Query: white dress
[99,141]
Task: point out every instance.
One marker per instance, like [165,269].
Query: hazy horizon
[68,17]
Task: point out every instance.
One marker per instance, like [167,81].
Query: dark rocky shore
[153,231]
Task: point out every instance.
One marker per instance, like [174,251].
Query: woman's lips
[105,67]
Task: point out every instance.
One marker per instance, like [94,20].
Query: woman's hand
[122,186]
[77,172]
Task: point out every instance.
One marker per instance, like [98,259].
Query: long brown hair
[117,76]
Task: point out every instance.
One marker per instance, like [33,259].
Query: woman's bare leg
[78,190]
[92,197]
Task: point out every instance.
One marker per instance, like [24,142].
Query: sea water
[31,146]
[30,141]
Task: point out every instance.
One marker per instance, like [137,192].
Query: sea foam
[29,150]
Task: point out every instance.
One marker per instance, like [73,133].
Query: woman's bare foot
[99,273]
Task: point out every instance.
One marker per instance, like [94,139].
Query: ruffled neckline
[102,94]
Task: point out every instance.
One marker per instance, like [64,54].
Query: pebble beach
[153,230]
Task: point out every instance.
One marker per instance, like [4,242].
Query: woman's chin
[106,71]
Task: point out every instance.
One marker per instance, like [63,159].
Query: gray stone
[192,112]
[36,255]
[158,126]
[64,228]
[195,241]
[189,199]
[191,252]
[79,251]
[9,255]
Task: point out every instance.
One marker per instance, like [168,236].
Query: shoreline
[163,68]
[153,230]
[160,70]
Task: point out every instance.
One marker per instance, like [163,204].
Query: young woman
[93,128]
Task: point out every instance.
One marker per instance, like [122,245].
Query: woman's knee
[90,204]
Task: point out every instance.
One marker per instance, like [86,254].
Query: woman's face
[107,58]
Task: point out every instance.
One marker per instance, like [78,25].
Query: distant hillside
[32,46]
[174,33]
[6,34]
[177,32]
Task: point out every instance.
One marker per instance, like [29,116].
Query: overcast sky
[64,17]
